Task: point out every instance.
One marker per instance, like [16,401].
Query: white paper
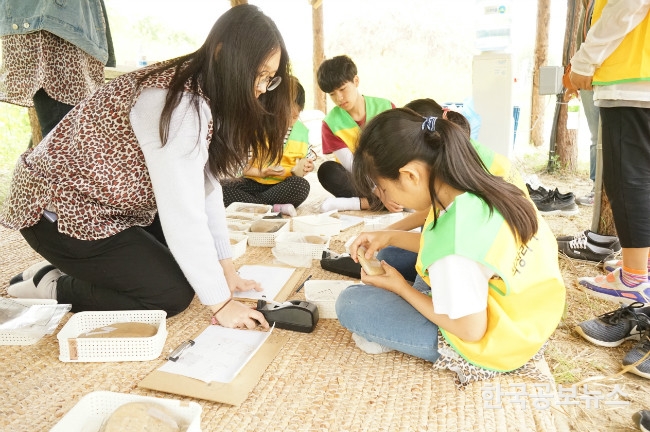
[218,354]
[271,278]
[348,221]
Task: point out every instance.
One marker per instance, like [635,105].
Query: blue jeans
[385,318]
[402,259]
[592,112]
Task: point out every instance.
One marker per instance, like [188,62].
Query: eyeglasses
[269,83]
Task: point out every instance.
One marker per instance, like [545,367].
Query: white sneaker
[369,347]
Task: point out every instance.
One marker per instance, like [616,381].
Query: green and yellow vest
[343,125]
[295,148]
[525,297]
[630,61]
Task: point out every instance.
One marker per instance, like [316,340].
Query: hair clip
[429,123]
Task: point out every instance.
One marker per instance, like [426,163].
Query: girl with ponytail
[488,288]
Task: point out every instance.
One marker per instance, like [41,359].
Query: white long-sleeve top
[619,17]
[189,199]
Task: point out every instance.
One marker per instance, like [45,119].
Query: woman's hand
[391,280]
[237,283]
[390,205]
[238,315]
[581,82]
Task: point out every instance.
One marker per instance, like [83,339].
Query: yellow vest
[630,61]
[526,296]
[296,148]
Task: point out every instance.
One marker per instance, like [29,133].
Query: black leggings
[338,181]
[130,270]
[49,111]
[292,190]
[626,172]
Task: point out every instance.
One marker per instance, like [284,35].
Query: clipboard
[236,391]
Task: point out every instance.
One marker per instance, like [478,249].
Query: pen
[176,354]
[303,283]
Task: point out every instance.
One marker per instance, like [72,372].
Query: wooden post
[320,100]
[37,135]
[234,3]
[541,59]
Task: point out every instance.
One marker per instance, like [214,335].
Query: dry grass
[570,357]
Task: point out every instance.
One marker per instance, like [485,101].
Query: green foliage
[15,133]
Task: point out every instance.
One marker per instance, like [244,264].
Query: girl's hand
[308,166]
[373,242]
[239,315]
[237,283]
[391,280]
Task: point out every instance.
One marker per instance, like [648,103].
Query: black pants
[49,111]
[292,190]
[626,172]
[338,181]
[131,270]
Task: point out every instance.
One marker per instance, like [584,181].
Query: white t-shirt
[459,286]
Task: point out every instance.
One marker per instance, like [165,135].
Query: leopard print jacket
[43,60]
[90,170]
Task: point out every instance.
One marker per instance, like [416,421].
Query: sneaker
[538,194]
[29,272]
[587,200]
[637,353]
[611,265]
[613,328]
[285,209]
[558,204]
[642,420]
[612,288]
[580,248]
[604,241]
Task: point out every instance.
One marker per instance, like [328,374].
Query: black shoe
[604,241]
[537,194]
[580,248]
[642,420]
[613,328]
[343,265]
[557,203]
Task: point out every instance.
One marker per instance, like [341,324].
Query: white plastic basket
[249,208]
[11,338]
[267,239]
[317,224]
[323,293]
[239,247]
[376,223]
[94,408]
[295,243]
[75,349]
[238,226]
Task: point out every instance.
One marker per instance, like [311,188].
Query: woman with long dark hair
[123,200]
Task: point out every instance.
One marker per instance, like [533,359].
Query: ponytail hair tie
[444,113]
[429,123]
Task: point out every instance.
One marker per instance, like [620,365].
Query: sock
[42,285]
[340,204]
[286,209]
[29,272]
[369,347]
[632,277]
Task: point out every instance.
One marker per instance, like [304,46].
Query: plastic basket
[11,338]
[323,293]
[296,243]
[74,349]
[375,223]
[267,239]
[317,224]
[249,208]
[239,247]
[238,226]
[94,408]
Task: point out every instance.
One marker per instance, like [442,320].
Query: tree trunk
[541,58]
[566,142]
[320,100]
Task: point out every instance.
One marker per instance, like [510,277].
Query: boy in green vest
[341,128]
